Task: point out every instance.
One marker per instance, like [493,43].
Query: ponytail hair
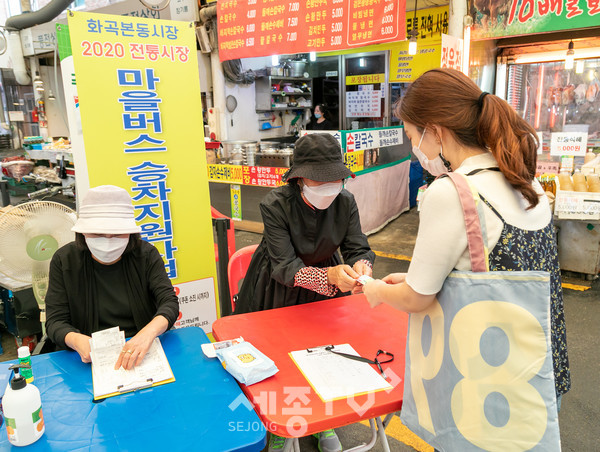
[450,99]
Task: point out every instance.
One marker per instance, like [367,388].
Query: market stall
[379,157]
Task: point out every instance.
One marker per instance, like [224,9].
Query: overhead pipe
[41,16]
[207,13]
[18,60]
[26,20]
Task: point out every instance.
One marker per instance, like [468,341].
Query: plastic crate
[16,188]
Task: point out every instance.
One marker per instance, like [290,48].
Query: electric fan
[30,233]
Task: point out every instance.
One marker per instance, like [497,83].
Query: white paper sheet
[106,346]
[335,377]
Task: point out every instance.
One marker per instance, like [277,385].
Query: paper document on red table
[335,377]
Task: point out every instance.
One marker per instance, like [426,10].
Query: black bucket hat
[318,156]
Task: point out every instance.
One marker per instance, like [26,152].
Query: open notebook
[106,345]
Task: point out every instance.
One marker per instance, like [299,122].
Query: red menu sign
[253,28]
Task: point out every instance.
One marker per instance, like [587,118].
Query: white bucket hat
[106,209]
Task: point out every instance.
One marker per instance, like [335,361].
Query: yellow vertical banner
[140,103]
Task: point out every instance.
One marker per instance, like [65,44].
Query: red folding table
[285,402]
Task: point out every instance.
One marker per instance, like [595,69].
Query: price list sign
[568,143]
[254,28]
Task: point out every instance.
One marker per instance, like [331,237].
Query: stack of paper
[106,346]
[334,377]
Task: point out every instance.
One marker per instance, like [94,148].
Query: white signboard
[373,138]
[452,52]
[197,304]
[16,115]
[38,39]
[568,143]
[360,104]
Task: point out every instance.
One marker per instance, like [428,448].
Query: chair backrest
[237,268]
[230,234]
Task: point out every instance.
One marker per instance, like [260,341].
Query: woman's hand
[362,268]
[343,276]
[134,350]
[370,291]
[81,344]
[395,278]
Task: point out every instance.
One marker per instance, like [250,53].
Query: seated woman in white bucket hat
[108,277]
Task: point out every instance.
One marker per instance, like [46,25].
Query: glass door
[366,92]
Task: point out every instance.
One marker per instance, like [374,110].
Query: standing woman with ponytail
[454,126]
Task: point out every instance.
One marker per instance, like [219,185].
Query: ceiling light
[412,45]
[312,56]
[275,60]
[51,95]
[570,58]
[38,84]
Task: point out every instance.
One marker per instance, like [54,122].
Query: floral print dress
[525,250]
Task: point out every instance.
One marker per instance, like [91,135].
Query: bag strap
[474,221]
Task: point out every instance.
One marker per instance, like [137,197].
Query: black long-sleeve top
[72,298]
[295,236]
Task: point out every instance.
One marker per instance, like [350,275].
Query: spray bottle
[22,408]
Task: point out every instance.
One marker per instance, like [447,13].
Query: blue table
[204,409]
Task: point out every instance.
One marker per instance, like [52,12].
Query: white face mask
[436,166]
[321,196]
[107,249]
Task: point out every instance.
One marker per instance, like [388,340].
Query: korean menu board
[254,28]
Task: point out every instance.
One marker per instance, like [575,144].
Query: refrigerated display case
[554,99]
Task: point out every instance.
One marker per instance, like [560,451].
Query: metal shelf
[284,93]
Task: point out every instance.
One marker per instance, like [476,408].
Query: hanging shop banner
[452,52]
[365,139]
[502,18]
[259,176]
[430,24]
[568,143]
[137,81]
[248,28]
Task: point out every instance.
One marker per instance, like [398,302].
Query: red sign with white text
[254,28]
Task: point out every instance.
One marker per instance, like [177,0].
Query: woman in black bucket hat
[305,222]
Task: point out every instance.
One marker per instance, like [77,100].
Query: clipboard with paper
[105,348]
[335,377]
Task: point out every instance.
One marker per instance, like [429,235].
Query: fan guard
[30,233]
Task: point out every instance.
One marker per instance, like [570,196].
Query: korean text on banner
[251,29]
[429,25]
[137,81]
[524,17]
